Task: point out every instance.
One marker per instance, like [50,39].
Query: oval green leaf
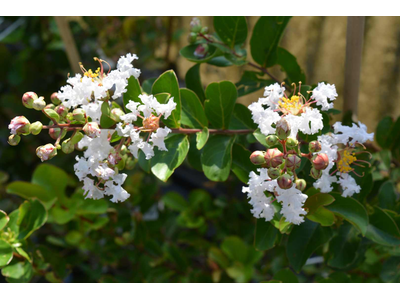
[193,114]
[231,29]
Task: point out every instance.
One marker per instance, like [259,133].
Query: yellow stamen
[292,105]
[346,159]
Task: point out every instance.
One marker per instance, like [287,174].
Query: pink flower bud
[314,146]
[282,129]
[56,132]
[300,184]
[91,129]
[320,161]
[195,25]
[293,162]
[28,98]
[54,99]
[274,172]
[201,50]
[316,174]
[79,115]
[257,157]
[46,152]
[61,110]
[19,125]
[285,181]
[273,158]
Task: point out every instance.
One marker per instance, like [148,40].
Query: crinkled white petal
[348,184]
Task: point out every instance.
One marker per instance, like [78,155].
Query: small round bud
[19,125]
[36,128]
[274,172]
[195,25]
[116,114]
[130,163]
[56,132]
[54,99]
[46,152]
[123,150]
[300,184]
[201,50]
[192,38]
[314,173]
[320,161]
[91,129]
[285,181]
[76,137]
[14,139]
[121,164]
[204,30]
[271,140]
[291,143]
[67,147]
[293,162]
[28,98]
[314,146]
[39,104]
[52,114]
[282,129]
[50,106]
[61,110]
[257,157]
[273,158]
[79,115]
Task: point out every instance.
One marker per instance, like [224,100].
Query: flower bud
[121,164]
[46,152]
[130,163]
[56,132]
[123,150]
[14,139]
[192,38]
[116,114]
[271,140]
[61,110]
[76,137]
[320,161]
[19,125]
[282,129]
[257,157]
[285,181]
[274,172]
[195,25]
[204,30]
[79,115]
[91,129]
[36,128]
[54,99]
[201,50]
[39,104]
[314,146]
[273,158]
[52,114]
[293,162]
[300,184]
[67,147]
[50,106]
[28,98]
[314,173]
[291,143]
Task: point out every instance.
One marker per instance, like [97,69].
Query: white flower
[322,93]
[125,132]
[292,201]
[166,109]
[311,121]
[104,172]
[157,138]
[348,185]
[132,116]
[264,117]
[272,93]
[91,190]
[353,134]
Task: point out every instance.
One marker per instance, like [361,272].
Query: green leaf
[216,158]
[147,85]
[390,270]
[343,248]
[232,30]
[304,240]
[265,236]
[168,83]
[144,163]
[194,154]
[28,190]
[260,137]
[188,53]
[220,61]
[322,216]
[286,276]
[241,118]
[316,210]
[3,219]
[133,91]
[53,179]
[241,164]
[32,215]
[219,257]
[382,229]
[316,200]
[351,210]
[252,82]
[175,201]
[387,195]
[6,253]
[105,119]
[18,272]
[235,249]
[164,163]
[221,101]
[202,138]
[90,206]
[289,64]
[265,39]
[383,132]
[193,114]
[193,82]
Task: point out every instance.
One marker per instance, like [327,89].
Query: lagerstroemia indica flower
[281,118]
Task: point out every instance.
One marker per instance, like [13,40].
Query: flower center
[151,123]
[346,159]
[292,106]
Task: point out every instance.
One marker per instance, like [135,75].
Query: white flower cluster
[292,199]
[330,145]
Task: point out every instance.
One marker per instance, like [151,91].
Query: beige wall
[319,44]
